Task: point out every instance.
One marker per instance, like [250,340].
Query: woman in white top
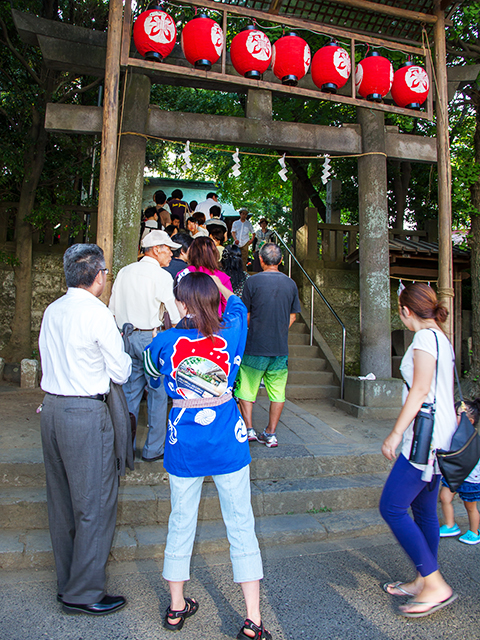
[427,369]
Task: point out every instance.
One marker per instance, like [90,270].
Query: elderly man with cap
[141,294]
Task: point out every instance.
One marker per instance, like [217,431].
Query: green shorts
[273,370]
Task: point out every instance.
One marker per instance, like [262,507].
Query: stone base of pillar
[379,399]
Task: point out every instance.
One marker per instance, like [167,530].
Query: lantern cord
[251,153]
[277,26]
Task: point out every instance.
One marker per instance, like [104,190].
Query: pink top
[224,279]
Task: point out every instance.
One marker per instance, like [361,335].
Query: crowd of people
[189,325]
[196,219]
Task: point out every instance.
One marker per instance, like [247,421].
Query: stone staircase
[309,374]
[316,485]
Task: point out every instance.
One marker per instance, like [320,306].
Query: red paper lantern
[202,42]
[410,86]
[154,34]
[331,67]
[290,59]
[251,52]
[374,77]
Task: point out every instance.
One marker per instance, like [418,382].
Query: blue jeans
[419,537]
[157,398]
[234,493]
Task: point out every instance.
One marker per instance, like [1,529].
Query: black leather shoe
[108,604]
[160,457]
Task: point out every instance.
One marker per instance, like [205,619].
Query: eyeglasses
[105,271]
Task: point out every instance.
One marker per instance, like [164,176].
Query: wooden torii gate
[120,190]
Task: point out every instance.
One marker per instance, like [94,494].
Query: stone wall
[48,285]
[341,288]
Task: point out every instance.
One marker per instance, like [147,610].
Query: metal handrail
[314,288]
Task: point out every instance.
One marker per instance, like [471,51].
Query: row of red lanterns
[251,52]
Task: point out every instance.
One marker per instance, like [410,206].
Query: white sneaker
[252,435]
[268,439]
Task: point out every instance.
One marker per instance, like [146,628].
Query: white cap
[156,238]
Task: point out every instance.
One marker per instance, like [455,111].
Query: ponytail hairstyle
[232,264]
[421,299]
[200,295]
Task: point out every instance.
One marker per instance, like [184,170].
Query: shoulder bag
[458,462]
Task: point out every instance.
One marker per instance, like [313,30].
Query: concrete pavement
[310,592]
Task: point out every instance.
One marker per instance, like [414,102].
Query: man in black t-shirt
[272,303]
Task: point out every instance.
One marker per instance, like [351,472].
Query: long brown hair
[200,295]
[203,253]
[422,300]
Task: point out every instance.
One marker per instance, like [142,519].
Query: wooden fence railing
[78,224]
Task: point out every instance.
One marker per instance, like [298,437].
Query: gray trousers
[82,490]
[157,397]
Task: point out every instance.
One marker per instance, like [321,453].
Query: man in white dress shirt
[242,232]
[81,351]
[205,205]
[141,294]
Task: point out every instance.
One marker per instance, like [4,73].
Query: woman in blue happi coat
[206,436]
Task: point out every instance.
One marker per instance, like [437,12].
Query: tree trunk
[19,345]
[475,253]
[401,182]
[299,202]
[307,184]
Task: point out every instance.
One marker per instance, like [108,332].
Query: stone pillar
[131,164]
[334,190]
[332,216]
[259,104]
[375,341]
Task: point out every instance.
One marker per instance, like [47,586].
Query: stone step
[307,377]
[299,327]
[306,364]
[311,391]
[26,548]
[150,505]
[304,351]
[267,464]
[22,549]
[298,338]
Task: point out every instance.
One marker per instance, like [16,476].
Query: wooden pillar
[375,339]
[445,266]
[457,344]
[131,166]
[108,157]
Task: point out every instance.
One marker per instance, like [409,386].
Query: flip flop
[398,587]
[434,606]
